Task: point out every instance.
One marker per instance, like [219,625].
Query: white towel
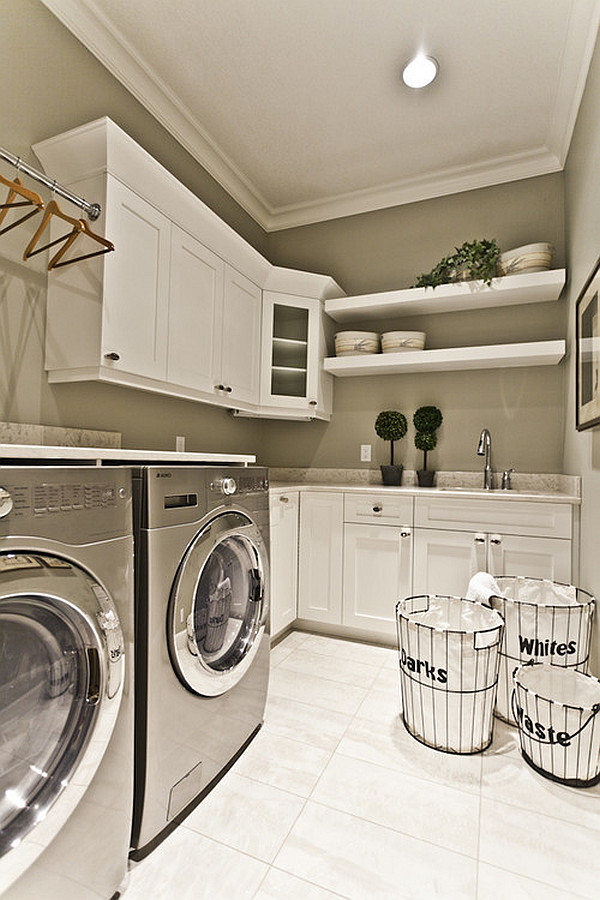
[482,586]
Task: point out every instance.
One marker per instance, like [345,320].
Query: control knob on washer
[6,503]
[227,486]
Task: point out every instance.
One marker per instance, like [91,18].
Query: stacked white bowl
[353,343]
[529,258]
[398,341]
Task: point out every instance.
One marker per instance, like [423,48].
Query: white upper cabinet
[214,324]
[291,362]
[239,347]
[197,279]
[177,307]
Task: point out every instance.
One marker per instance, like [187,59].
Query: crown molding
[97,34]
[413,190]
[582,31]
[92,28]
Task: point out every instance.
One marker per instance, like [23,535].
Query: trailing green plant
[478,257]
[427,420]
[391,425]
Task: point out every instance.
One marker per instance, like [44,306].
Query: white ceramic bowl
[353,343]
[529,258]
[397,341]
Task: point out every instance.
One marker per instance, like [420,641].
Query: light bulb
[420,71]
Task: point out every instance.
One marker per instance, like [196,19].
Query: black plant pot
[425,477]
[391,474]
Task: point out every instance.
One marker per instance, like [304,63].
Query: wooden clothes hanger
[79,226]
[16,189]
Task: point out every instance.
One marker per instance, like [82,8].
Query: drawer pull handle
[405,534]
[113,356]
[284,499]
[377,508]
[496,540]
[480,540]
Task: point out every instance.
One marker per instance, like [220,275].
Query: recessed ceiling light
[420,71]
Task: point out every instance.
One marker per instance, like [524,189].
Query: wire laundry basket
[544,621]
[556,710]
[448,657]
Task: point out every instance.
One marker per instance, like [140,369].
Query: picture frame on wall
[587,312]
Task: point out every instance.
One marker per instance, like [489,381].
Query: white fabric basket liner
[544,621]
[558,716]
[448,657]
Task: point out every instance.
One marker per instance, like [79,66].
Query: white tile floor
[334,799]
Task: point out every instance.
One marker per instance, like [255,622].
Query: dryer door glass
[218,605]
[53,677]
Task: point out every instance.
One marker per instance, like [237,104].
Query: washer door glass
[54,678]
[218,605]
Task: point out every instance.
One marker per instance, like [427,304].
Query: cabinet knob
[113,356]
[405,534]
[377,508]
[312,402]
[479,539]
[284,499]
[228,389]
[495,539]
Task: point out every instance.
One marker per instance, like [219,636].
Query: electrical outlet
[365,453]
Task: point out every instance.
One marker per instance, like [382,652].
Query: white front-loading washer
[66,681]
[202,637]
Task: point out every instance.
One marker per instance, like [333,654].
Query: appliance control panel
[68,505]
[42,497]
[242,483]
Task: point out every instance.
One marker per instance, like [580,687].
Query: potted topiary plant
[477,259]
[427,420]
[391,426]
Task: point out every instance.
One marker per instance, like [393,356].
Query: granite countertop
[526,486]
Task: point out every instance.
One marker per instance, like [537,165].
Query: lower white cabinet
[359,553]
[320,557]
[530,538]
[445,560]
[377,573]
[284,509]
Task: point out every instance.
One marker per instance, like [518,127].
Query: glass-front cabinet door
[293,348]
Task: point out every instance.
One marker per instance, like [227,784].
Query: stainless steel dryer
[202,642]
[66,681]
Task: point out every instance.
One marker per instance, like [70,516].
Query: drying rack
[92,210]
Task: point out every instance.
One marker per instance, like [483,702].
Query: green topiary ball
[425,440]
[427,419]
[391,425]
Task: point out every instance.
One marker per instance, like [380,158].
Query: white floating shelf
[510,290]
[496,356]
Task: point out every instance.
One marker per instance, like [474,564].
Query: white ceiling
[298,109]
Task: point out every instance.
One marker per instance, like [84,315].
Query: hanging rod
[93,210]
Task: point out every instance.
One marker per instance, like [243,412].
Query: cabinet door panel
[194,312]
[240,344]
[377,573]
[533,556]
[284,559]
[320,568]
[290,352]
[136,294]
[444,561]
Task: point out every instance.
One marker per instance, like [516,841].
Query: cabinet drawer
[526,517]
[388,509]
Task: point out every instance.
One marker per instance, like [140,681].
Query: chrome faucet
[485,449]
